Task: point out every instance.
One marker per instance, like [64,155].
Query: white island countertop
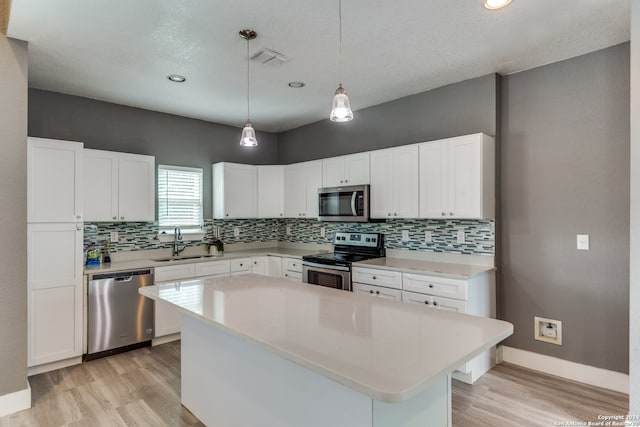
[386,350]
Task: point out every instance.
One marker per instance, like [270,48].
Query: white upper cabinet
[235,191]
[55,172]
[394,182]
[457,177]
[119,186]
[270,191]
[352,169]
[301,183]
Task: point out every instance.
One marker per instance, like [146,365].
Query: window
[179,197]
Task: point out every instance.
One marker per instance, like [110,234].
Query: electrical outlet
[321,231]
[236,231]
[428,237]
[582,242]
[460,236]
[547,330]
[113,235]
[405,235]
[288,230]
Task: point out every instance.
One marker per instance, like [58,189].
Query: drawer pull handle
[371,291]
[435,303]
[431,285]
[377,292]
[426,302]
[374,277]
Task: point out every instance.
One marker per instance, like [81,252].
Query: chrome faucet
[177,238]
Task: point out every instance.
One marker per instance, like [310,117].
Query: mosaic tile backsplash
[479,234]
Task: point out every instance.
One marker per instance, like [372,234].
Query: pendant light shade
[341,108]
[248,138]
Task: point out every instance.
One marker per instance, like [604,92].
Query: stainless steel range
[333,270]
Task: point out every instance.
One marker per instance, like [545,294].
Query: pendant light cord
[340,36]
[248,60]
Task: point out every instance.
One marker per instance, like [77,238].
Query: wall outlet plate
[236,231]
[582,242]
[405,235]
[428,237]
[460,236]
[113,236]
[547,330]
[288,230]
[322,232]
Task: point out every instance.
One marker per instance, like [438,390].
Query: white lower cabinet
[377,291]
[275,266]
[241,266]
[292,269]
[260,265]
[55,301]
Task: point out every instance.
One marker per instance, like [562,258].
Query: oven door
[336,277]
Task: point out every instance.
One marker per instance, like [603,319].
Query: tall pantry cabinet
[54,248]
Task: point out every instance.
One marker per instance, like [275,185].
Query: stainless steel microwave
[344,204]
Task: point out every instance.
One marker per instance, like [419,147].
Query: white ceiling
[121,50]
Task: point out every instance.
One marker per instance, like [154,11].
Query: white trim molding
[591,375]
[15,402]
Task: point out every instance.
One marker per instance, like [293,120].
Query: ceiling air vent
[269,56]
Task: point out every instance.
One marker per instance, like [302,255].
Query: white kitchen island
[262,351]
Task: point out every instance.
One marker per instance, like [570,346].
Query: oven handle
[323,267]
[353,203]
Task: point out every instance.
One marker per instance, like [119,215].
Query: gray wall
[565,171]
[172,139]
[634,253]
[13,215]
[453,110]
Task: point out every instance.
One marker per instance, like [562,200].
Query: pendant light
[248,138]
[340,109]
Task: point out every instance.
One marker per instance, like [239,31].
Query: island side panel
[227,381]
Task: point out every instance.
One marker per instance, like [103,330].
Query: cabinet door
[55,292]
[405,181]
[313,181]
[174,272]
[54,180]
[465,177]
[333,172]
[275,266]
[235,191]
[260,265]
[241,266]
[357,169]
[136,187]
[381,203]
[101,185]
[270,191]
[433,180]
[212,268]
[294,191]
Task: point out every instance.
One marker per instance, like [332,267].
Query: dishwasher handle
[120,276]
[124,279]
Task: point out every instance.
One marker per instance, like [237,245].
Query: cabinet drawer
[174,272]
[293,275]
[435,302]
[292,264]
[212,268]
[377,291]
[241,265]
[439,286]
[372,276]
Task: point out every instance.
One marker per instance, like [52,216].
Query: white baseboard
[47,367]
[15,402]
[563,368]
[165,339]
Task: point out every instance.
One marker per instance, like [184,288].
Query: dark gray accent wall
[565,171]
[13,216]
[453,110]
[173,140]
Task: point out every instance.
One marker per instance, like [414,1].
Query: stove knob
[368,239]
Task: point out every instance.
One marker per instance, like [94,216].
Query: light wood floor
[142,388]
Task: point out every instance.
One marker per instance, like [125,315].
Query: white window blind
[179,196]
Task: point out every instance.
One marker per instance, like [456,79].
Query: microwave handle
[353,203]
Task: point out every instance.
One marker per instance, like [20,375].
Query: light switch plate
[236,231]
[460,236]
[405,235]
[288,230]
[583,242]
[113,235]
[321,231]
[428,237]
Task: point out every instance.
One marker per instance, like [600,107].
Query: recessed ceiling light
[495,4]
[296,85]
[176,78]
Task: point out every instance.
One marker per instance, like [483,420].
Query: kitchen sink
[181,258]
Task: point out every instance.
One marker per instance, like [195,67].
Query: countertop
[384,349]
[189,259]
[442,269]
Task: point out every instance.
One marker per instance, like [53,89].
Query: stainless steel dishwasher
[118,317]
